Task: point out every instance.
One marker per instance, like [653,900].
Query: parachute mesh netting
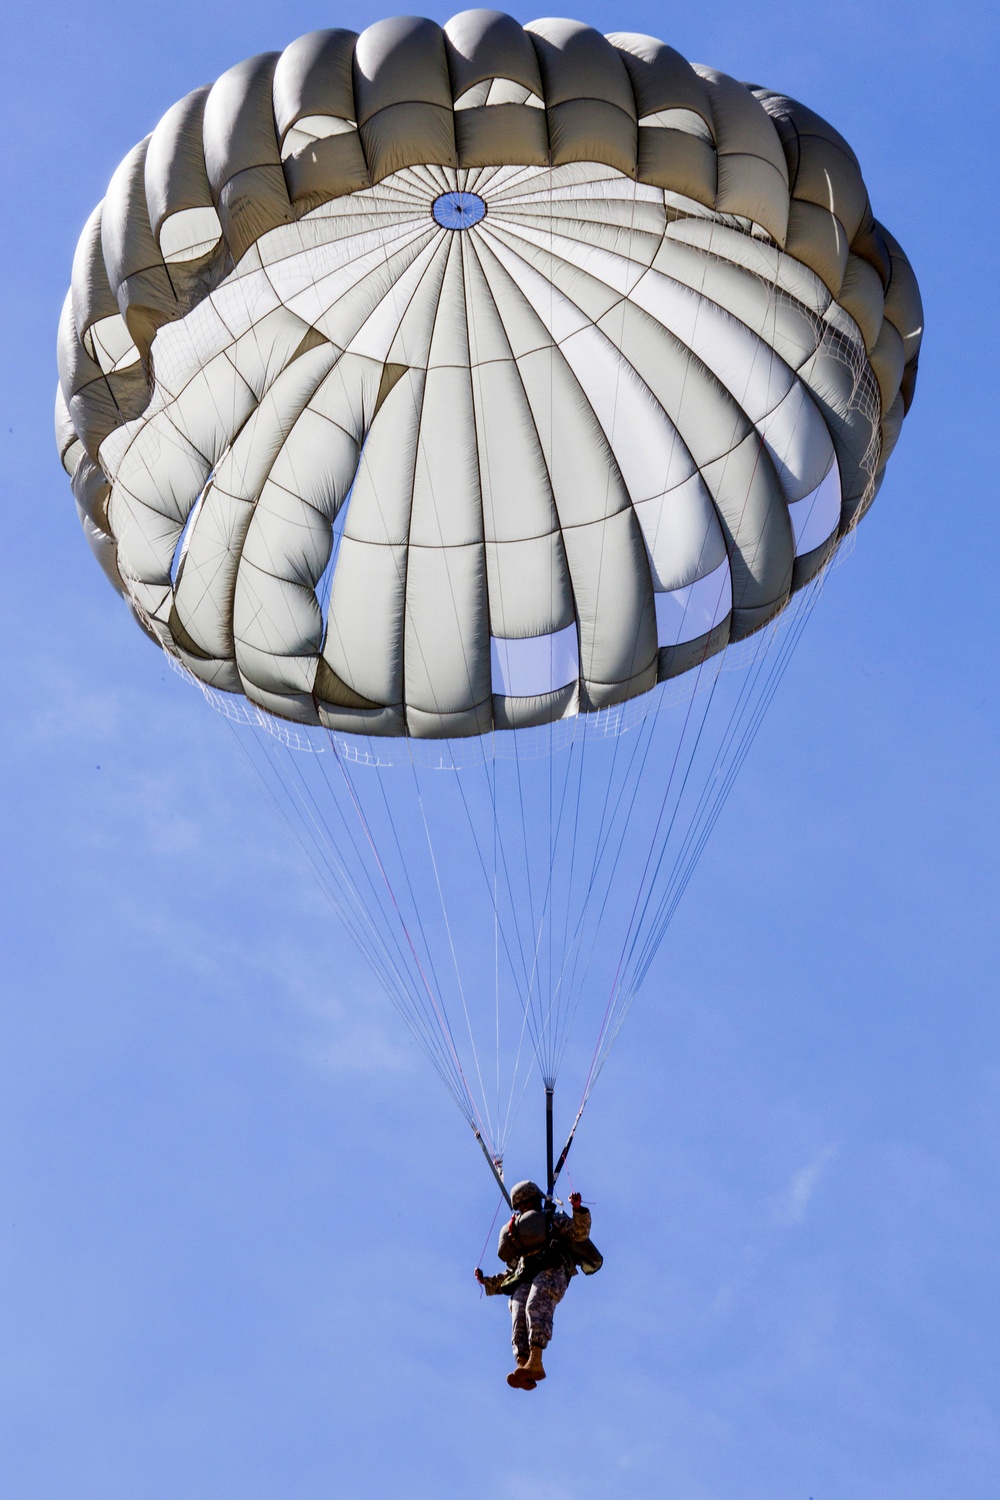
[456,406]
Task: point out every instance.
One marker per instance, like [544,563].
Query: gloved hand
[479,1276]
[575,1200]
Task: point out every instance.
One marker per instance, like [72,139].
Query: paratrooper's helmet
[525,1194]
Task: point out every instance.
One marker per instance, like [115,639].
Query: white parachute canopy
[459,396]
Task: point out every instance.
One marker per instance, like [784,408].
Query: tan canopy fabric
[437,380]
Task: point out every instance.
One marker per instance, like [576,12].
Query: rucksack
[586,1255]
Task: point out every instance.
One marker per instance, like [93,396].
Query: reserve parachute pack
[587,1256]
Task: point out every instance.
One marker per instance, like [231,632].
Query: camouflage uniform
[532,1306]
[534,1298]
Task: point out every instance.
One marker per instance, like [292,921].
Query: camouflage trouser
[531,1309]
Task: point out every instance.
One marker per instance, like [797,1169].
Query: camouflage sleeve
[579,1225]
[491,1285]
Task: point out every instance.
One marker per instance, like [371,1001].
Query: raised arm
[579,1224]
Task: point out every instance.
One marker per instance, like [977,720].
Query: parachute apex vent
[458,210]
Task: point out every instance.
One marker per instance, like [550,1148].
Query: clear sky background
[239,1215]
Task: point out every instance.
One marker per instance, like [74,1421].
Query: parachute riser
[493,1165]
[565,1151]
[552,1169]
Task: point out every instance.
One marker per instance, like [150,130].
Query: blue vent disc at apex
[458,210]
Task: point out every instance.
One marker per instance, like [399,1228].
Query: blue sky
[238,1214]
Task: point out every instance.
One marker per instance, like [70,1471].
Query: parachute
[456,407]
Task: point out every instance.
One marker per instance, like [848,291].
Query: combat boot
[533,1369]
[520,1378]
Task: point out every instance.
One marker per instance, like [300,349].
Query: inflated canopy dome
[436,380]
